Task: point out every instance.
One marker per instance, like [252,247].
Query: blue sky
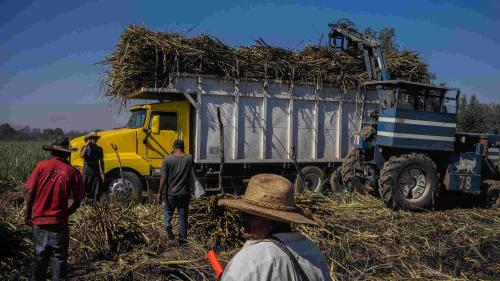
[48,49]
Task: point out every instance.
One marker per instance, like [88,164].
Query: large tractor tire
[336,182]
[490,194]
[348,173]
[493,198]
[128,192]
[314,177]
[409,182]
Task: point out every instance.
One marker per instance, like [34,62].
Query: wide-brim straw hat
[91,135]
[269,196]
[60,143]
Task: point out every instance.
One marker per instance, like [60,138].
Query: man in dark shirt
[93,166]
[175,173]
[50,185]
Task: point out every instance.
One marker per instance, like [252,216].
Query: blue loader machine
[407,148]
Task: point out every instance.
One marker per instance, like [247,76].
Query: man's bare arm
[163,181]
[83,150]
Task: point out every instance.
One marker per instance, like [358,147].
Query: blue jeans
[181,203]
[50,240]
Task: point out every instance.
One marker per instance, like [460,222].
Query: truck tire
[348,174]
[493,198]
[314,178]
[131,192]
[490,194]
[409,182]
[336,182]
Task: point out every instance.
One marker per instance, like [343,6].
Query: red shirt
[51,184]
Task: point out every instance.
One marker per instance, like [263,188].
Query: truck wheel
[336,182]
[314,180]
[493,198]
[490,194]
[348,173]
[409,182]
[130,191]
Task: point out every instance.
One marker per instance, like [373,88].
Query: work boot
[172,243]
[170,234]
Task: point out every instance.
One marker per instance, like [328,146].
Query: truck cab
[141,145]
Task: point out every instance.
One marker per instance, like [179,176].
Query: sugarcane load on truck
[247,110]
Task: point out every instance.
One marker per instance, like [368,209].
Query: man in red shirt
[50,185]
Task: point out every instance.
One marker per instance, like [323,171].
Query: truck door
[159,145]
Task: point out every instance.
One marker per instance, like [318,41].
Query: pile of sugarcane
[104,230]
[364,240]
[360,238]
[145,58]
[15,243]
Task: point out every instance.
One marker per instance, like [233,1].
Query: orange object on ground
[211,256]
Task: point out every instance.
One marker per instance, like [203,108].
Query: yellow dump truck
[249,126]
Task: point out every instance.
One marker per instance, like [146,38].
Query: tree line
[476,117]
[8,133]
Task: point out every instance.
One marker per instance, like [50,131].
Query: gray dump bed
[262,121]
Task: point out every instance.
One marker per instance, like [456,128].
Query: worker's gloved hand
[158,198]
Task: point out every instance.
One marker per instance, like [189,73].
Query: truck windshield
[387,97]
[450,102]
[429,100]
[137,119]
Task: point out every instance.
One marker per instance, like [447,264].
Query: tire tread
[389,174]
[347,171]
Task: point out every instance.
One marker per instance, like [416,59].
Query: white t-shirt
[262,260]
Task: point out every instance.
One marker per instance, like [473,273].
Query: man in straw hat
[93,167]
[50,186]
[272,250]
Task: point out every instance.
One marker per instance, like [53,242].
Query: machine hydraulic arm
[342,38]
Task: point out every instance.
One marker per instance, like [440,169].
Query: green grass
[17,160]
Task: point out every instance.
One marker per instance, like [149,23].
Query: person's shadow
[458,200]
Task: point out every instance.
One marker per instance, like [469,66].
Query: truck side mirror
[155,125]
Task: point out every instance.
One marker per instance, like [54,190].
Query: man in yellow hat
[93,166]
[272,250]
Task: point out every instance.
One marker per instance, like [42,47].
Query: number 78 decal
[465,182]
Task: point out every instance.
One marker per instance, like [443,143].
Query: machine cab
[415,115]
